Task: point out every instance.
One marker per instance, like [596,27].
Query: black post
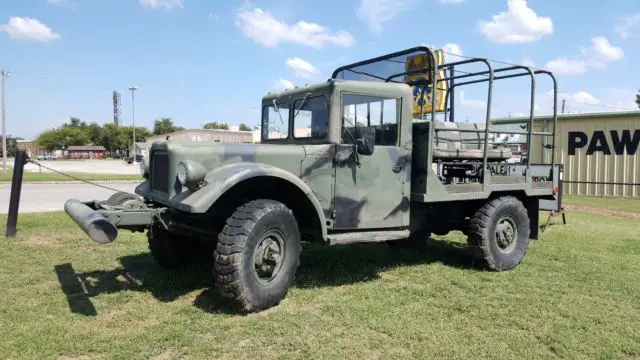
[16,189]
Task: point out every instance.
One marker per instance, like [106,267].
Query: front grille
[160,172]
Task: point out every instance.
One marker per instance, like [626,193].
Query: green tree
[65,136]
[244,127]
[216,125]
[142,133]
[12,145]
[164,126]
[110,137]
[638,98]
[74,122]
[94,131]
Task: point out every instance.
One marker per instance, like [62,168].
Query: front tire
[499,233]
[257,255]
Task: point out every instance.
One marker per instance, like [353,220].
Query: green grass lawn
[576,295]
[628,205]
[51,176]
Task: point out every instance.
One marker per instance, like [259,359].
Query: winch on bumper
[100,220]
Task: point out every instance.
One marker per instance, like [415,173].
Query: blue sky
[199,61]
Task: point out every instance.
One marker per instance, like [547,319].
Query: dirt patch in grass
[42,239]
[603,211]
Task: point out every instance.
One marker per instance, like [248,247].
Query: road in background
[117,167]
[51,197]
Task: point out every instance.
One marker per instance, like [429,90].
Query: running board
[367,236]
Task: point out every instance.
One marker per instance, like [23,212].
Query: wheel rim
[268,256]
[506,234]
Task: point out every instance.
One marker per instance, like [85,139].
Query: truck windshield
[275,121]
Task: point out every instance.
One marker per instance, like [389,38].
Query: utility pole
[133,116]
[5,75]
[563,102]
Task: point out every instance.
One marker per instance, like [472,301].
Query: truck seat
[451,144]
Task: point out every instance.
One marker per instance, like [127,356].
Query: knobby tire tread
[231,243]
[479,237]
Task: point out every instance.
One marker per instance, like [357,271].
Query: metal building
[599,152]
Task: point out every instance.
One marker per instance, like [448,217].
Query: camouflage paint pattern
[349,191]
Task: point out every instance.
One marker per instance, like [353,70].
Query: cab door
[371,191]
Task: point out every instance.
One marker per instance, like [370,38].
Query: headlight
[191,173]
[183,172]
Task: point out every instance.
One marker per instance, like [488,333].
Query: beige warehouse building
[599,152]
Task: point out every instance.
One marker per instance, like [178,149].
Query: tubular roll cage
[487,76]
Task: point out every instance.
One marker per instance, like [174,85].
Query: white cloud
[377,12]
[519,24]
[597,56]
[580,97]
[452,1]
[265,29]
[452,51]
[627,25]
[472,104]
[167,4]
[282,84]
[302,68]
[452,48]
[566,66]
[20,28]
[602,50]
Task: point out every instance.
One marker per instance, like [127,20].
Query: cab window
[370,111]
[310,117]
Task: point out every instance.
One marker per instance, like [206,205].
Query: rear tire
[499,233]
[257,255]
[172,251]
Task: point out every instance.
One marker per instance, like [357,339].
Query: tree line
[112,137]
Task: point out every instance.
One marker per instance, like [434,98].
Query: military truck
[373,154]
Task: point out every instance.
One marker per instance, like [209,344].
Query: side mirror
[366,141]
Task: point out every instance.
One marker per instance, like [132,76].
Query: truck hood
[212,155]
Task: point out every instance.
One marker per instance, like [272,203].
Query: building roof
[587,115]
[86,148]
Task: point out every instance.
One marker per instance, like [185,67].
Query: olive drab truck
[374,154]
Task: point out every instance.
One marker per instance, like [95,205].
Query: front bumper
[101,222]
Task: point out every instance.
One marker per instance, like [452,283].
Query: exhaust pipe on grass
[93,223]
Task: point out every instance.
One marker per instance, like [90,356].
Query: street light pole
[133,116]
[5,75]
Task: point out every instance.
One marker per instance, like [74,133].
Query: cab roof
[383,88]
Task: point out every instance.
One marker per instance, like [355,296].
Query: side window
[378,112]
[275,121]
[311,117]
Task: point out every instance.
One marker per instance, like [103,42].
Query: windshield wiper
[304,99]
[275,104]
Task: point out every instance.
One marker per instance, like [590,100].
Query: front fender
[223,178]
